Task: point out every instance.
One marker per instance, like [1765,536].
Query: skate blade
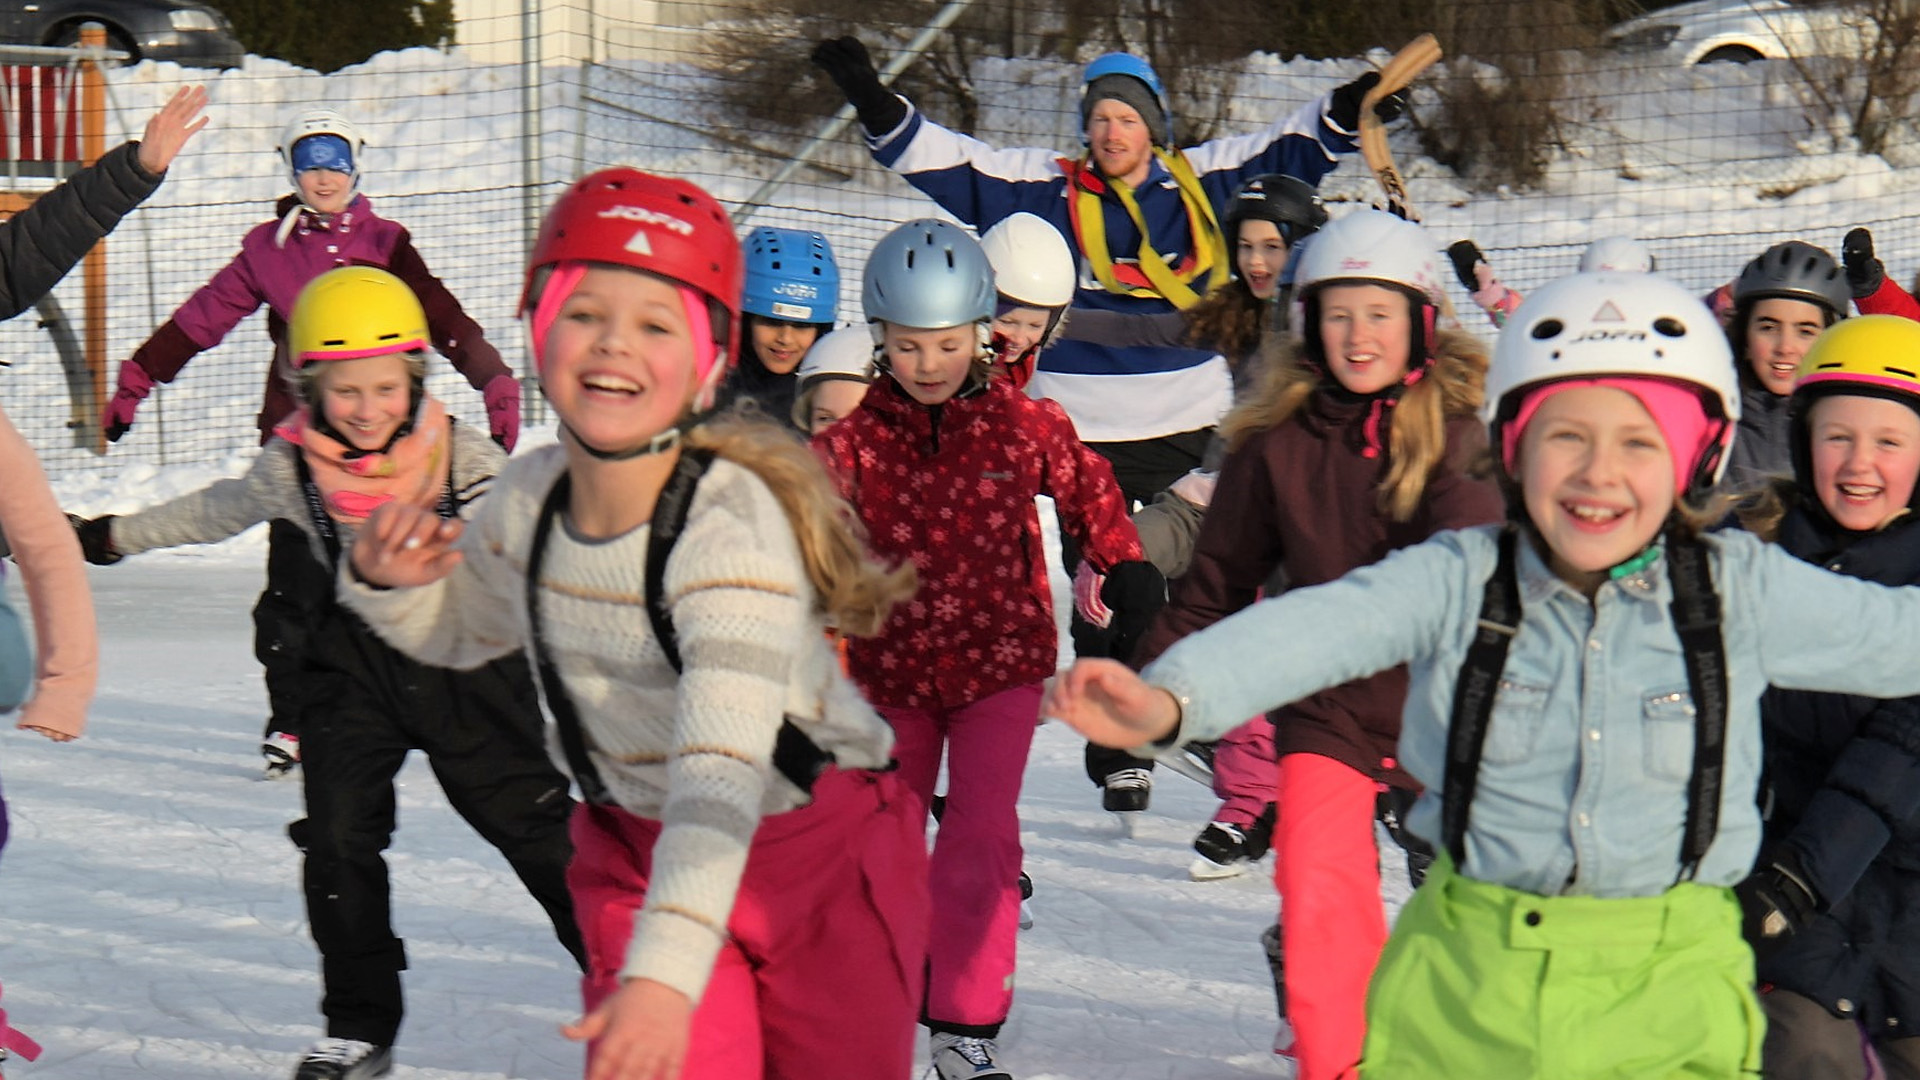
[1026,915]
[1129,822]
[1205,869]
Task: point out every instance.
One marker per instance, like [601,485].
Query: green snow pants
[1480,980]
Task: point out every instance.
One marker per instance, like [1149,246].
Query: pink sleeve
[55,577]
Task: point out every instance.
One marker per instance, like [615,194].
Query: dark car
[178,30]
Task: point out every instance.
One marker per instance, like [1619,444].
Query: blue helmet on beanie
[1126,78]
[791,275]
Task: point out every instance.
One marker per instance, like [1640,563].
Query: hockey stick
[1418,55]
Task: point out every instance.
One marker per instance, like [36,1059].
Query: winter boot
[1277,963]
[344,1059]
[1026,895]
[282,752]
[963,1057]
[1222,848]
[1125,794]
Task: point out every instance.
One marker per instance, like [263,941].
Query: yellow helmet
[355,311]
[1874,354]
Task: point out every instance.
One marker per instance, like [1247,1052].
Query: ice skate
[962,1057]
[344,1059]
[1125,796]
[282,752]
[1221,851]
[1026,898]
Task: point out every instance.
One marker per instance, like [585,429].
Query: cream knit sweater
[694,750]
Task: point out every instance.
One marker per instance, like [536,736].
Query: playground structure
[53,123]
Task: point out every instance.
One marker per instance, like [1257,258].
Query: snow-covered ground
[152,928]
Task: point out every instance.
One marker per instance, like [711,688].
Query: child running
[942,462]
[1355,443]
[1583,713]
[1829,908]
[366,435]
[791,292]
[1782,300]
[747,881]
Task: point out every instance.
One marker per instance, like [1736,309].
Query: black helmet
[1794,271]
[1289,202]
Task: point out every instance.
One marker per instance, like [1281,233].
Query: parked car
[180,30]
[1710,31]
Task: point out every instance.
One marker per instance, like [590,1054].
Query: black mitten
[1135,592]
[1466,255]
[1343,111]
[96,539]
[847,62]
[1775,903]
[1865,274]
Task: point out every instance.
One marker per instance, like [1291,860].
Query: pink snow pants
[1332,924]
[823,969]
[975,871]
[1244,776]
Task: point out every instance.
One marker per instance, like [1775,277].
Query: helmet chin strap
[659,444]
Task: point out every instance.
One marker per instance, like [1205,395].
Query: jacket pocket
[1515,725]
[1667,733]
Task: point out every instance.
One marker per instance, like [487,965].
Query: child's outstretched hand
[1106,702]
[402,546]
[640,1033]
[171,127]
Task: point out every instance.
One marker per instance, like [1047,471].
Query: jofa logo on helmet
[1622,334]
[648,217]
[1355,262]
[797,290]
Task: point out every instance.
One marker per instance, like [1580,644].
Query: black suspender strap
[1696,618]
[1473,696]
[573,740]
[796,756]
[323,525]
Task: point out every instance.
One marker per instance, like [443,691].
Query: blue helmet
[1109,68]
[930,275]
[791,275]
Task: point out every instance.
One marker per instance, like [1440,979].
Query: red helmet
[653,223]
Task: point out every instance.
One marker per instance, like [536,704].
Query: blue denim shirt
[1583,782]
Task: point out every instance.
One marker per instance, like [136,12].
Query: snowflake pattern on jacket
[950,488]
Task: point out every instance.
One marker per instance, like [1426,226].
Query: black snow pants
[367,706]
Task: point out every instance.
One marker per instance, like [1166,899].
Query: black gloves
[1343,111]
[1775,902]
[96,539]
[847,63]
[1135,591]
[1466,256]
[1865,274]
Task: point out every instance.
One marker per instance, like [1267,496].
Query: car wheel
[69,36]
[1730,54]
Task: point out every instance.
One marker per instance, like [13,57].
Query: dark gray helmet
[1290,203]
[1794,271]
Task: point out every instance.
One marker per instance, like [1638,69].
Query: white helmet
[1031,261]
[1621,254]
[321,122]
[1372,246]
[1619,325]
[846,353]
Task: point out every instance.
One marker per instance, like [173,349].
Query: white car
[1708,31]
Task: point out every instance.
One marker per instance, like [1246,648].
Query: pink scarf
[352,484]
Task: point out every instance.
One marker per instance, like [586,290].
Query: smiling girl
[1352,445]
[367,435]
[1583,714]
[741,848]
[1782,300]
[942,462]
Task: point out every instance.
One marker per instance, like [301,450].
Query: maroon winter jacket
[950,487]
[1302,496]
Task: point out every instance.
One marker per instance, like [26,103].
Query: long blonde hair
[1417,434]
[856,591]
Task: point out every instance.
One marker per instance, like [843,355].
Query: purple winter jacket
[266,273]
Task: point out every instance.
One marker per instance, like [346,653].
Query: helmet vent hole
[1668,326]
[387,337]
[1547,328]
[1899,371]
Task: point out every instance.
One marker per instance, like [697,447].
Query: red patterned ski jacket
[950,487]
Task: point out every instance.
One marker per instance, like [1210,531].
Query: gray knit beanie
[1127,90]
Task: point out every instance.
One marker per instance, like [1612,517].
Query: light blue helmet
[928,274]
[791,275]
